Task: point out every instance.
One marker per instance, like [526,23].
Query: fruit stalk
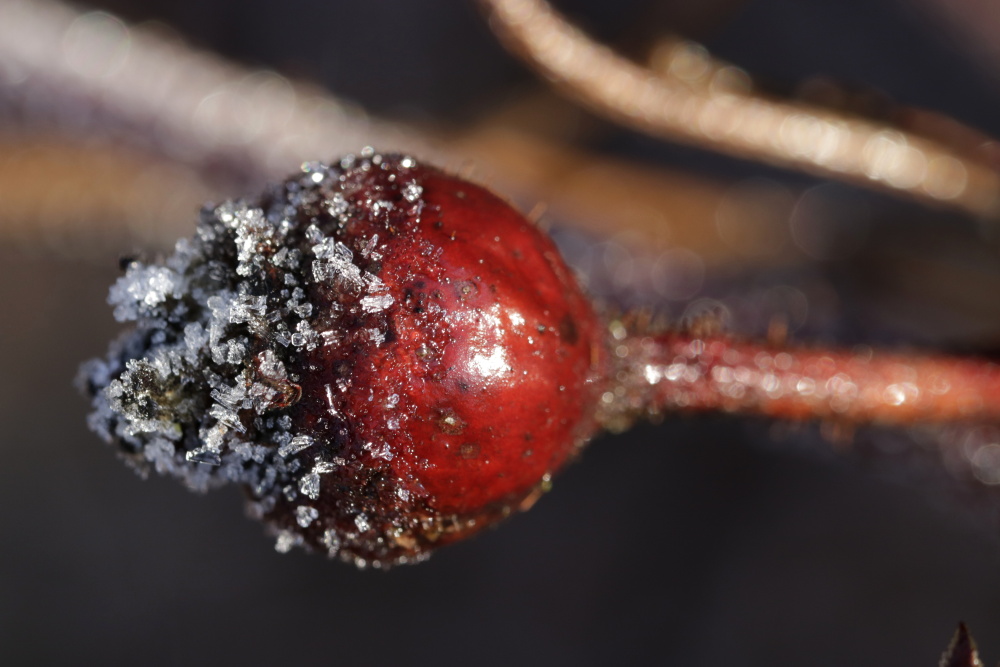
[680,371]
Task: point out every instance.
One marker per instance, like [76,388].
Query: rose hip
[387,357]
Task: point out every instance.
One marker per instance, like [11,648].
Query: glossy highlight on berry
[387,358]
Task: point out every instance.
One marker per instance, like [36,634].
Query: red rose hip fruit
[387,357]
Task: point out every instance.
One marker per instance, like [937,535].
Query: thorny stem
[961,651]
[740,123]
[680,371]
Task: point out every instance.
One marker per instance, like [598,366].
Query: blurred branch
[725,116]
[68,69]
[74,195]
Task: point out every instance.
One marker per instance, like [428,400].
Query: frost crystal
[331,540]
[309,485]
[142,290]
[305,515]
[374,304]
[412,192]
[205,386]
[337,206]
[323,467]
[286,541]
[295,445]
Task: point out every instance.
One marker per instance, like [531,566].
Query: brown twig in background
[730,121]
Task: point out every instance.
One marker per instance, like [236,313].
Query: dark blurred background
[700,541]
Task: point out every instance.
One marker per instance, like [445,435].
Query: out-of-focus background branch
[695,542]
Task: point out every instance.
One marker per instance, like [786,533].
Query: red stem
[673,371]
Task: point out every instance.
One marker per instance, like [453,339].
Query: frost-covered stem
[673,371]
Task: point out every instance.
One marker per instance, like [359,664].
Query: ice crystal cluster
[200,388]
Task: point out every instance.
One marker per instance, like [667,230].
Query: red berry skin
[455,404]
